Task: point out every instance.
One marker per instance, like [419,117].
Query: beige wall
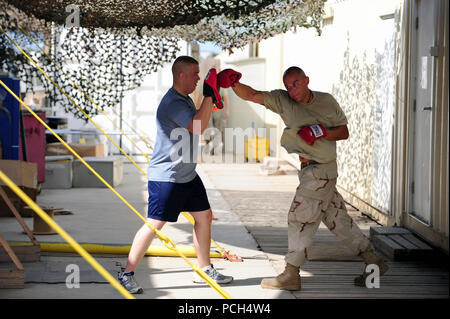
[354,60]
[358,59]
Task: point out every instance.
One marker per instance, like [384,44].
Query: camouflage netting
[137,13]
[118,43]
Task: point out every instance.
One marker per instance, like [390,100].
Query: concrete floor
[100,217]
[262,203]
[251,211]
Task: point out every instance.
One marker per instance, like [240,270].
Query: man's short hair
[181,62]
[293,69]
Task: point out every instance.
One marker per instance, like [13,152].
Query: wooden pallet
[25,253]
[11,278]
[399,244]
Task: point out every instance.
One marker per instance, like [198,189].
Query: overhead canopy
[137,13]
[109,46]
[229,23]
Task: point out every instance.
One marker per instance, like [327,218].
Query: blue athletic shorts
[166,200]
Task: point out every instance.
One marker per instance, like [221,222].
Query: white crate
[109,168]
[58,172]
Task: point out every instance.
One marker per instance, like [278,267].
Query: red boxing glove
[311,133]
[210,88]
[228,77]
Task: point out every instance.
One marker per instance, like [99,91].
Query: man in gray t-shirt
[173,184]
[173,157]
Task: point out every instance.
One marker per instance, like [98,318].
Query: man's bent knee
[202,217]
[158,224]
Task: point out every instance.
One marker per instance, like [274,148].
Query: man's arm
[202,115]
[247,93]
[337,133]
[230,78]
[211,94]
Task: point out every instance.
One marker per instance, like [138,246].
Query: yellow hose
[188,251]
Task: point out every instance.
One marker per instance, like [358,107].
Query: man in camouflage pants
[317,200]
[314,122]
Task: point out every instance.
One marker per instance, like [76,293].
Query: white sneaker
[129,282]
[214,274]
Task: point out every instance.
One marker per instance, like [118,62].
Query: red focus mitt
[311,133]
[228,77]
[210,88]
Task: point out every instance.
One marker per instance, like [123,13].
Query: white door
[424,30]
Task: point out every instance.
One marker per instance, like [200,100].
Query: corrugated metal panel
[437,232]
[440,198]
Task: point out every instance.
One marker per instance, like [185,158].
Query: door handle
[427,108]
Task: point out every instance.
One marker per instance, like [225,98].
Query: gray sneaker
[214,274]
[129,282]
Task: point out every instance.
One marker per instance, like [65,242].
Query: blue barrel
[9,119]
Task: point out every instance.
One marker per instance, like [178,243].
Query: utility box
[35,142]
[58,171]
[257,148]
[109,168]
[9,119]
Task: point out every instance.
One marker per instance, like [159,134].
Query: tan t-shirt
[322,109]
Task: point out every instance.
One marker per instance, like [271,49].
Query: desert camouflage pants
[317,200]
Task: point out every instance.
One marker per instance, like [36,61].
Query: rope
[166,240]
[65,235]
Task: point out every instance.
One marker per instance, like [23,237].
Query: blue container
[9,119]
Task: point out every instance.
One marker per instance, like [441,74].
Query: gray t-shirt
[174,156]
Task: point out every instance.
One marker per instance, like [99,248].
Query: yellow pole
[166,240]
